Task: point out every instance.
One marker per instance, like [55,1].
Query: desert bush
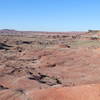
[95,37]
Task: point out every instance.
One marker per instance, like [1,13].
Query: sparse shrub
[95,37]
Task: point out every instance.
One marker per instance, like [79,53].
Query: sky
[50,15]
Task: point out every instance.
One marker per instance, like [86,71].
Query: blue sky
[50,15]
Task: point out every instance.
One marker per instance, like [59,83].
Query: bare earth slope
[49,67]
[87,92]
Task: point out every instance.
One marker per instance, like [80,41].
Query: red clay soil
[55,72]
[51,75]
[84,92]
[88,92]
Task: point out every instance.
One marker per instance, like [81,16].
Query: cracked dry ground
[55,73]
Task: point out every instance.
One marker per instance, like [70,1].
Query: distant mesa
[95,31]
[8,30]
[15,32]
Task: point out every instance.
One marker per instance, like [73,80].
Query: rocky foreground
[50,67]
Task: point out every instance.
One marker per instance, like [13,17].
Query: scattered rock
[4,46]
[3,87]
[45,79]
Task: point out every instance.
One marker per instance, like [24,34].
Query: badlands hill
[49,65]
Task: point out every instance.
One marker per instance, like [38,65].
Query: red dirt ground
[48,68]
